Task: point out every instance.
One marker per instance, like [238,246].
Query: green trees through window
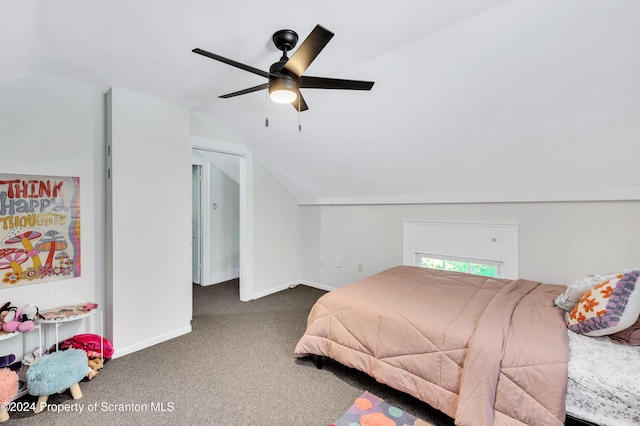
[461,265]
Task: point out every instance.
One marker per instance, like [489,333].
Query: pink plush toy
[16,320]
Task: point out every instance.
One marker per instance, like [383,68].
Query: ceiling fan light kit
[286,76]
[283,90]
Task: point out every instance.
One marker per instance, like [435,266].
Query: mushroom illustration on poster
[39,229]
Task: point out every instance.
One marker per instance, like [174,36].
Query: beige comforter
[482,350]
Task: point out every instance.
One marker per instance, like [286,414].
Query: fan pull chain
[299,125]
[266,120]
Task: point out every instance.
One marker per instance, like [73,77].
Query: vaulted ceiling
[469,95]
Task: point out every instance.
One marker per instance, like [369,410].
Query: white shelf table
[57,322]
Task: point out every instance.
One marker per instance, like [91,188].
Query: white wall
[149,210]
[54,128]
[276,246]
[225,243]
[558,242]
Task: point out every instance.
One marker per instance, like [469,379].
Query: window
[486,268]
[489,249]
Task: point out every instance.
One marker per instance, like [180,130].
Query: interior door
[196,226]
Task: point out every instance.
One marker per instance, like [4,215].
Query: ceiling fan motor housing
[280,79]
[285,40]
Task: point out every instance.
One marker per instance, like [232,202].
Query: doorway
[225,161]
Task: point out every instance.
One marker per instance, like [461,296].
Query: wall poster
[39,229]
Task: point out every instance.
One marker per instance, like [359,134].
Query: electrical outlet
[338,262]
[321,259]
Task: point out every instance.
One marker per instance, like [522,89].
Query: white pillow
[574,292]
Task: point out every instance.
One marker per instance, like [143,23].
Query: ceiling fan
[286,76]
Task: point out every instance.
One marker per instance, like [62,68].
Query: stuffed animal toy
[14,321]
[4,310]
[29,313]
[95,365]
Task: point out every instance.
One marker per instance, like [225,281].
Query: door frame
[246,207]
[205,214]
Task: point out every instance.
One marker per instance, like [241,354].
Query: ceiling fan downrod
[285,40]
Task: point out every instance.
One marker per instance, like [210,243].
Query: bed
[482,350]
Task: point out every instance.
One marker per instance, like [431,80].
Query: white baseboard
[291,285]
[118,352]
[218,277]
[318,286]
[274,290]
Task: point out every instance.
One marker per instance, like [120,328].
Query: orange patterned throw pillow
[610,306]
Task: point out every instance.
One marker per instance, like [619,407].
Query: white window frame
[496,242]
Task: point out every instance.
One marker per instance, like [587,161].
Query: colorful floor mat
[369,410]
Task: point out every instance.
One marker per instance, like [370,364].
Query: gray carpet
[235,368]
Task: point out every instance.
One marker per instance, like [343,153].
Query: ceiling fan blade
[308,50]
[231,62]
[302,104]
[245,91]
[309,82]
